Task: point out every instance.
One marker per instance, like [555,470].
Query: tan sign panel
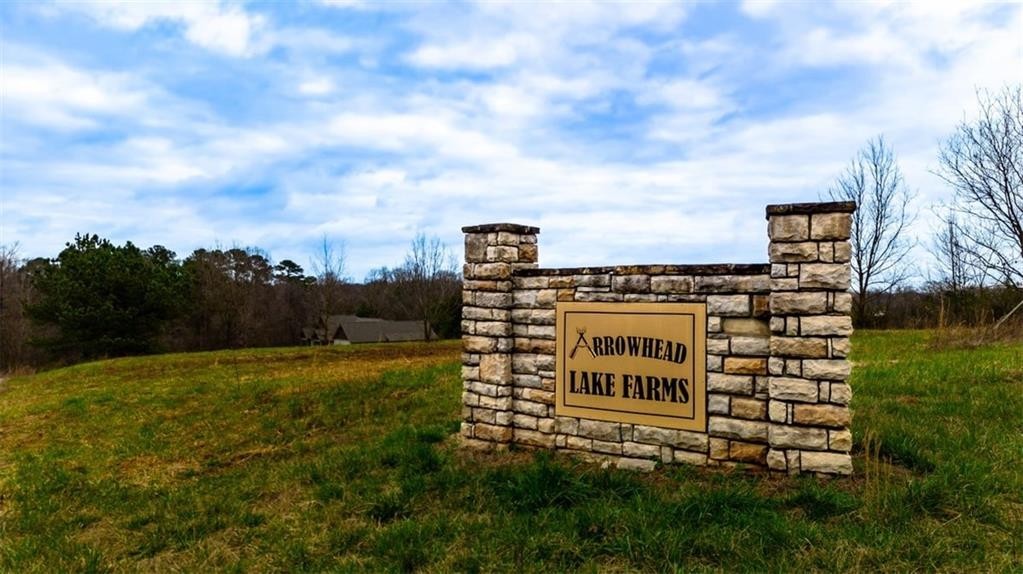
[641,363]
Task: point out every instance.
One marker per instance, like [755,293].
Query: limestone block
[777,411]
[733,283]
[747,452]
[789,228]
[640,450]
[636,464]
[728,305]
[717,345]
[630,283]
[827,462]
[841,393]
[601,430]
[734,384]
[606,447]
[599,280]
[745,366]
[507,238]
[737,429]
[530,408]
[776,460]
[578,443]
[842,302]
[824,276]
[472,344]
[528,253]
[496,300]
[843,252]
[828,369]
[496,403]
[533,438]
[749,327]
[826,325]
[799,303]
[475,247]
[791,389]
[503,254]
[752,409]
[821,415]
[686,457]
[524,421]
[566,425]
[525,363]
[545,425]
[492,432]
[787,436]
[840,440]
[743,345]
[671,284]
[717,404]
[803,252]
[805,347]
[496,368]
[500,271]
[676,438]
[830,226]
[718,448]
[715,363]
[493,328]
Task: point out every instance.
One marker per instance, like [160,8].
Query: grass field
[339,459]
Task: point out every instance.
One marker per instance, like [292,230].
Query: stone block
[496,368]
[824,276]
[499,271]
[745,366]
[843,252]
[789,228]
[676,438]
[492,432]
[524,421]
[830,226]
[503,253]
[734,384]
[747,452]
[718,448]
[826,462]
[786,436]
[777,411]
[776,460]
[630,283]
[686,457]
[790,389]
[493,328]
[840,440]
[606,447]
[578,443]
[803,252]
[841,393]
[737,429]
[718,404]
[796,303]
[495,300]
[728,305]
[640,450]
[636,464]
[671,284]
[758,346]
[753,409]
[476,248]
[749,327]
[828,369]
[533,438]
[472,344]
[826,325]
[821,415]
[601,430]
[804,347]
[717,345]
[528,253]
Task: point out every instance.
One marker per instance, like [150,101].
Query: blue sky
[629,133]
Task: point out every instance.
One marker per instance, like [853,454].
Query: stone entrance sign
[763,379]
[641,363]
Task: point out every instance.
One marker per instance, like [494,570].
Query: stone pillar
[810,328]
[492,253]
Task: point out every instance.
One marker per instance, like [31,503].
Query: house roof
[371,330]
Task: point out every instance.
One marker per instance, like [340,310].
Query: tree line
[977,248]
[97,299]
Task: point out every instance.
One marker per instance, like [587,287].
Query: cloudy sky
[629,133]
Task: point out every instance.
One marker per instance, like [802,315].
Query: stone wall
[777,342]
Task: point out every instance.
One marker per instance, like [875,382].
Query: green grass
[342,460]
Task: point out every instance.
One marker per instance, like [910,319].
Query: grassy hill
[339,459]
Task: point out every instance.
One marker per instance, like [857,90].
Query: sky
[640,132]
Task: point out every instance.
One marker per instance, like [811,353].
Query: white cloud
[214,25]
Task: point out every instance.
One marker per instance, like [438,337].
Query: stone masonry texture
[777,341]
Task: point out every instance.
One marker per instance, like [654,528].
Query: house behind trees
[348,329]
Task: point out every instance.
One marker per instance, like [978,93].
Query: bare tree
[329,266]
[983,162]
[427,280]
[879,246]
[13,324]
